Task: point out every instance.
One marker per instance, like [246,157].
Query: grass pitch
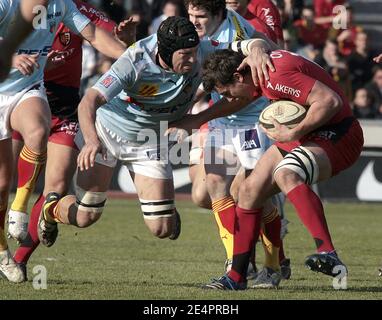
[118,258]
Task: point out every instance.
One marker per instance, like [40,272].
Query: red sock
[24,252]
[309,208]
[247,229]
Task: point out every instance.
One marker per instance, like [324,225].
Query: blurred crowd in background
[310,28]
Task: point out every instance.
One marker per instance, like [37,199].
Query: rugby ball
[286,112]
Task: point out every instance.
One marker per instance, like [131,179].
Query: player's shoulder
[242,27]
[286,59]
[141,53]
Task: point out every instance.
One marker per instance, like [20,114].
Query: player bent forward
[110,125]
[328,140]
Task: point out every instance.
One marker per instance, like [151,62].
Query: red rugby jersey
[260,26]
[70,44]
[295,77]
[266,11]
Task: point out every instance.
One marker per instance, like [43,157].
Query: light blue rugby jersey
[40,40]
[233,28]
[140,93]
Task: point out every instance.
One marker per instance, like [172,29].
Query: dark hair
[212,6]
[219,68]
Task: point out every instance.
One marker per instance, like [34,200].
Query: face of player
[242,87]
[204,22]
[183,60]
[239,6]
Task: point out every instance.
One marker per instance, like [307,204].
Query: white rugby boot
[9,269]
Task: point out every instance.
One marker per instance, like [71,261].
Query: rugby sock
[309,208]
[247,230]
[3,239]
[224,212]
[29,167]
[271,239]
[51,213]
[26,249]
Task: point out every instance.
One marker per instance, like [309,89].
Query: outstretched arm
[191,122]
[103,41]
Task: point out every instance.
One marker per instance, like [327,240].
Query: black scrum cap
[175,33]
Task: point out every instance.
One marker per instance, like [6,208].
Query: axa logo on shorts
[43,52]
[249,140]
[284,89]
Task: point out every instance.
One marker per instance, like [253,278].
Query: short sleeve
[73,18]
[121,76]
[97,17]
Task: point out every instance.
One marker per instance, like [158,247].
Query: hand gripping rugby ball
[286,112]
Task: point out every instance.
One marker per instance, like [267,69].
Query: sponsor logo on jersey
[95,12]
[43,52]
[148,90]
[269,18]
[284,89]
[240,34]
[249,140]
[108,81]
[65,38]
[54,15]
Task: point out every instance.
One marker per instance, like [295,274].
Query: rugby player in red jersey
[62,81]
[327,141]
[240,6]
[266,11]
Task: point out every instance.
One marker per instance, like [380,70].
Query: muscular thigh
[30,114]
[260,184]
[95,179]
[60,167]
[149,188]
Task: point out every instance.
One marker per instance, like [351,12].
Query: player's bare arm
[222,108]
[103,41]
[323,104]
[86,117]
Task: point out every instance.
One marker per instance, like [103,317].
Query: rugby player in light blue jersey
[17,34]
[154,82]
[23,102]
[234,143]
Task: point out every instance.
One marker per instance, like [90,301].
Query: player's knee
[287,179]
[298,166]
[37,138]
[215,183]
[160,230]
[157,215]
[86,219]
[89,205]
